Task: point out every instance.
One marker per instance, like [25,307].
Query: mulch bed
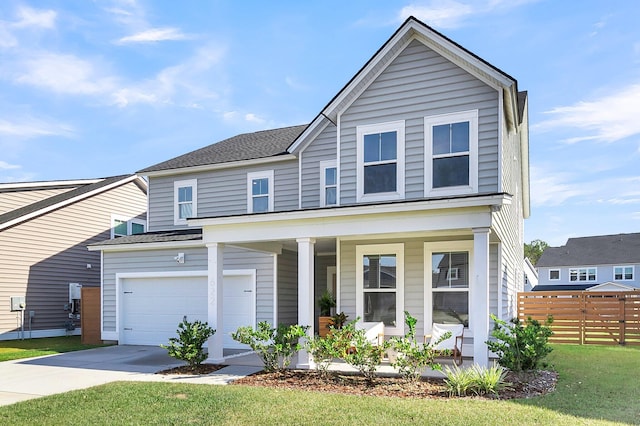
[522,385]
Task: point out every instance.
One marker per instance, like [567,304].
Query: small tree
[188,345]
[276,346]
[520,347]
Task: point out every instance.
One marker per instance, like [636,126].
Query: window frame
[368,129]
[193,183]
[446,247]
[396,249]
[251,176]
[470,116]
[555,279]
[129,222]
[324,165]
[623,267]
[586,269]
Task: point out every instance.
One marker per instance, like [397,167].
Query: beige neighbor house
[45,228]
[408,191]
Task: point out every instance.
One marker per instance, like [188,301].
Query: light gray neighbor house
[45,228]
[407,192]
[603,263]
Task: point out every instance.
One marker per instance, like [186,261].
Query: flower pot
[323,326]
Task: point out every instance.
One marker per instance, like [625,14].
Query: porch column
[480,302]
[214,298]
[305,293]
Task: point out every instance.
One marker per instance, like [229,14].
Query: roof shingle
[598,250]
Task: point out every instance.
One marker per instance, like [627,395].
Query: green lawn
[18,349]
[598,385]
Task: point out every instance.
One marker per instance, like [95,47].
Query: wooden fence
[586,317]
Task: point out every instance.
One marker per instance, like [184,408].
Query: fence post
[623,320]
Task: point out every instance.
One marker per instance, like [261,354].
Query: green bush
[323,352]
[275,346]
[188,345]
[520,347]
[476,380]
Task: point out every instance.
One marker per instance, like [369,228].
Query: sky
[106,87]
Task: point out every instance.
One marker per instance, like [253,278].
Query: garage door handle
[248,291]
[128,329]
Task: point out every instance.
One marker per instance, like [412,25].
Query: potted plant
[339,320]
[325,303]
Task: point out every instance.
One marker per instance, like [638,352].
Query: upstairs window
[582,274]
[451,146]
[185,200]
[328,183]
[260,192]
[121,227]
[554,274]
[623,273]
[381,161]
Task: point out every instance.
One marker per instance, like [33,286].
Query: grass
[597,386]
[28,348]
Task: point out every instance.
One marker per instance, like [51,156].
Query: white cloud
[608,119]
[229,115]
[154,35]
[30,128]
[29,17]
[252,118]
[551,188]
[6,166]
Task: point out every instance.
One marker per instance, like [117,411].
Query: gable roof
[597,250]
[247,146]
[84,190]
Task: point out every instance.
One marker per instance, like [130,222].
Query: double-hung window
[185,194]
[582,274]
[380,158]
[447,282]
[623,273]
[328,183]
[451,160]
[380,285]
[260,192]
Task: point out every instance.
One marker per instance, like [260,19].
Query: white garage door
[152,308]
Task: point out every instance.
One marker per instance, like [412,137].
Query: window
[121,227]
[380,161]
[328,183]
[448,282]
[582,274]
[185,194]
[451,146]
[554,274]
[380,285]
[623,273]
[260,192]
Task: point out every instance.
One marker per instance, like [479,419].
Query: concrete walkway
[36,377]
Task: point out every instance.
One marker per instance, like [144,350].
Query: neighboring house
[45,228]
[407,192]
[604,262]
[530,275]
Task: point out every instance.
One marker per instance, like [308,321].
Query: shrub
[323,351]
[519,346]
[458,381]
[188,345]
[275,346]
[476,380]
[350,344]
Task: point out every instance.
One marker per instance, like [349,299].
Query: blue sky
[106,87]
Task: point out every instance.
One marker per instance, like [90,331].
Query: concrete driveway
[35,377]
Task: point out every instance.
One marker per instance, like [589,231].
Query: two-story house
[44,231]
[604,262]
[407,192]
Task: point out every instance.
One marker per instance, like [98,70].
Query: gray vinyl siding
[40,257]
[221,192]
[158,261]
[604,273]
[288,288]
[12,200]
[323,148]
[417,84]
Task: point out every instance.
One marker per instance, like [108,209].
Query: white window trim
[259,175]
[438,247]
[578,274]
[193,183]
[555,279]
[398,251]
[472,117]
[633,272]
[129,220]
[361,131]
[324,165]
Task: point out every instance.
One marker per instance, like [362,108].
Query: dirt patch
[199,370]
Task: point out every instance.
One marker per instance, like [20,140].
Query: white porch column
[214,296]
[305,293]
[480,302]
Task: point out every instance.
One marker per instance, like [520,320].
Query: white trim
[338,127]
[633,272]
[102,333]
[46,184]
[300,181]
[219,166]
[361,132]
[146,246]
[193,183]
[429,122]
[559,275]
[338,273]
[324,165]
[500,158]
[264,174]
[396,249]
[586,268]
[446,246]
[275,288]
